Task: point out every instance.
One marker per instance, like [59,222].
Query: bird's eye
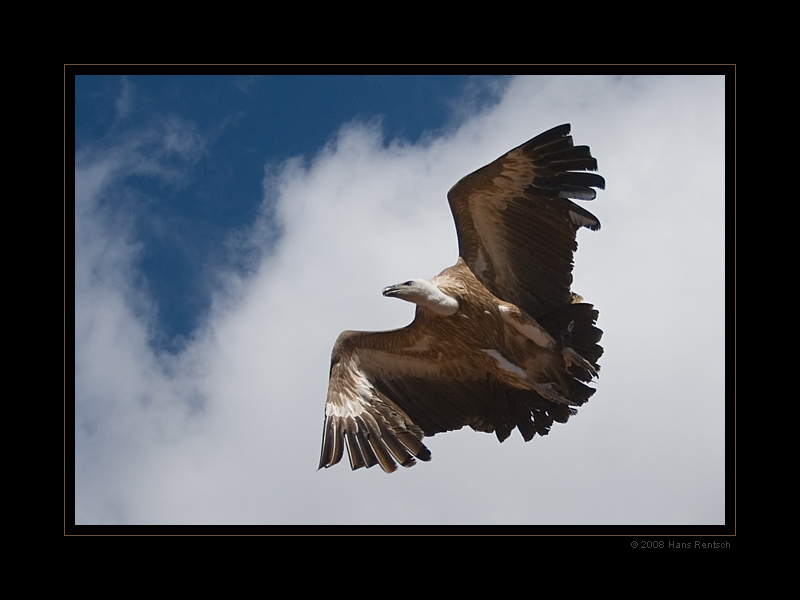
[408,283]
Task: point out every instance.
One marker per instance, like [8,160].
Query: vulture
[498,341]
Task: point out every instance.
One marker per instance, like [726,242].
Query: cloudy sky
[228,228]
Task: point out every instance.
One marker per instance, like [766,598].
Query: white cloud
[125,100]
[229,430]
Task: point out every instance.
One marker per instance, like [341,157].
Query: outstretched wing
[364,416]
[390,389]
[516,223]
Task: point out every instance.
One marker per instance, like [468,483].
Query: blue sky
[237,125]
[228,228]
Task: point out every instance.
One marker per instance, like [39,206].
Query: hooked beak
[389,291]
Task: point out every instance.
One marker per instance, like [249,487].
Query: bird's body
[498,340]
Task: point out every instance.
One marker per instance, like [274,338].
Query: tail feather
[574,326]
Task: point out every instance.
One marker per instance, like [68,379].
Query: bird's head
[409,291]
[423,293]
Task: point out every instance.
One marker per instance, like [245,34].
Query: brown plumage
[499,341]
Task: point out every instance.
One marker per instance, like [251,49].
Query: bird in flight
[499,340]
